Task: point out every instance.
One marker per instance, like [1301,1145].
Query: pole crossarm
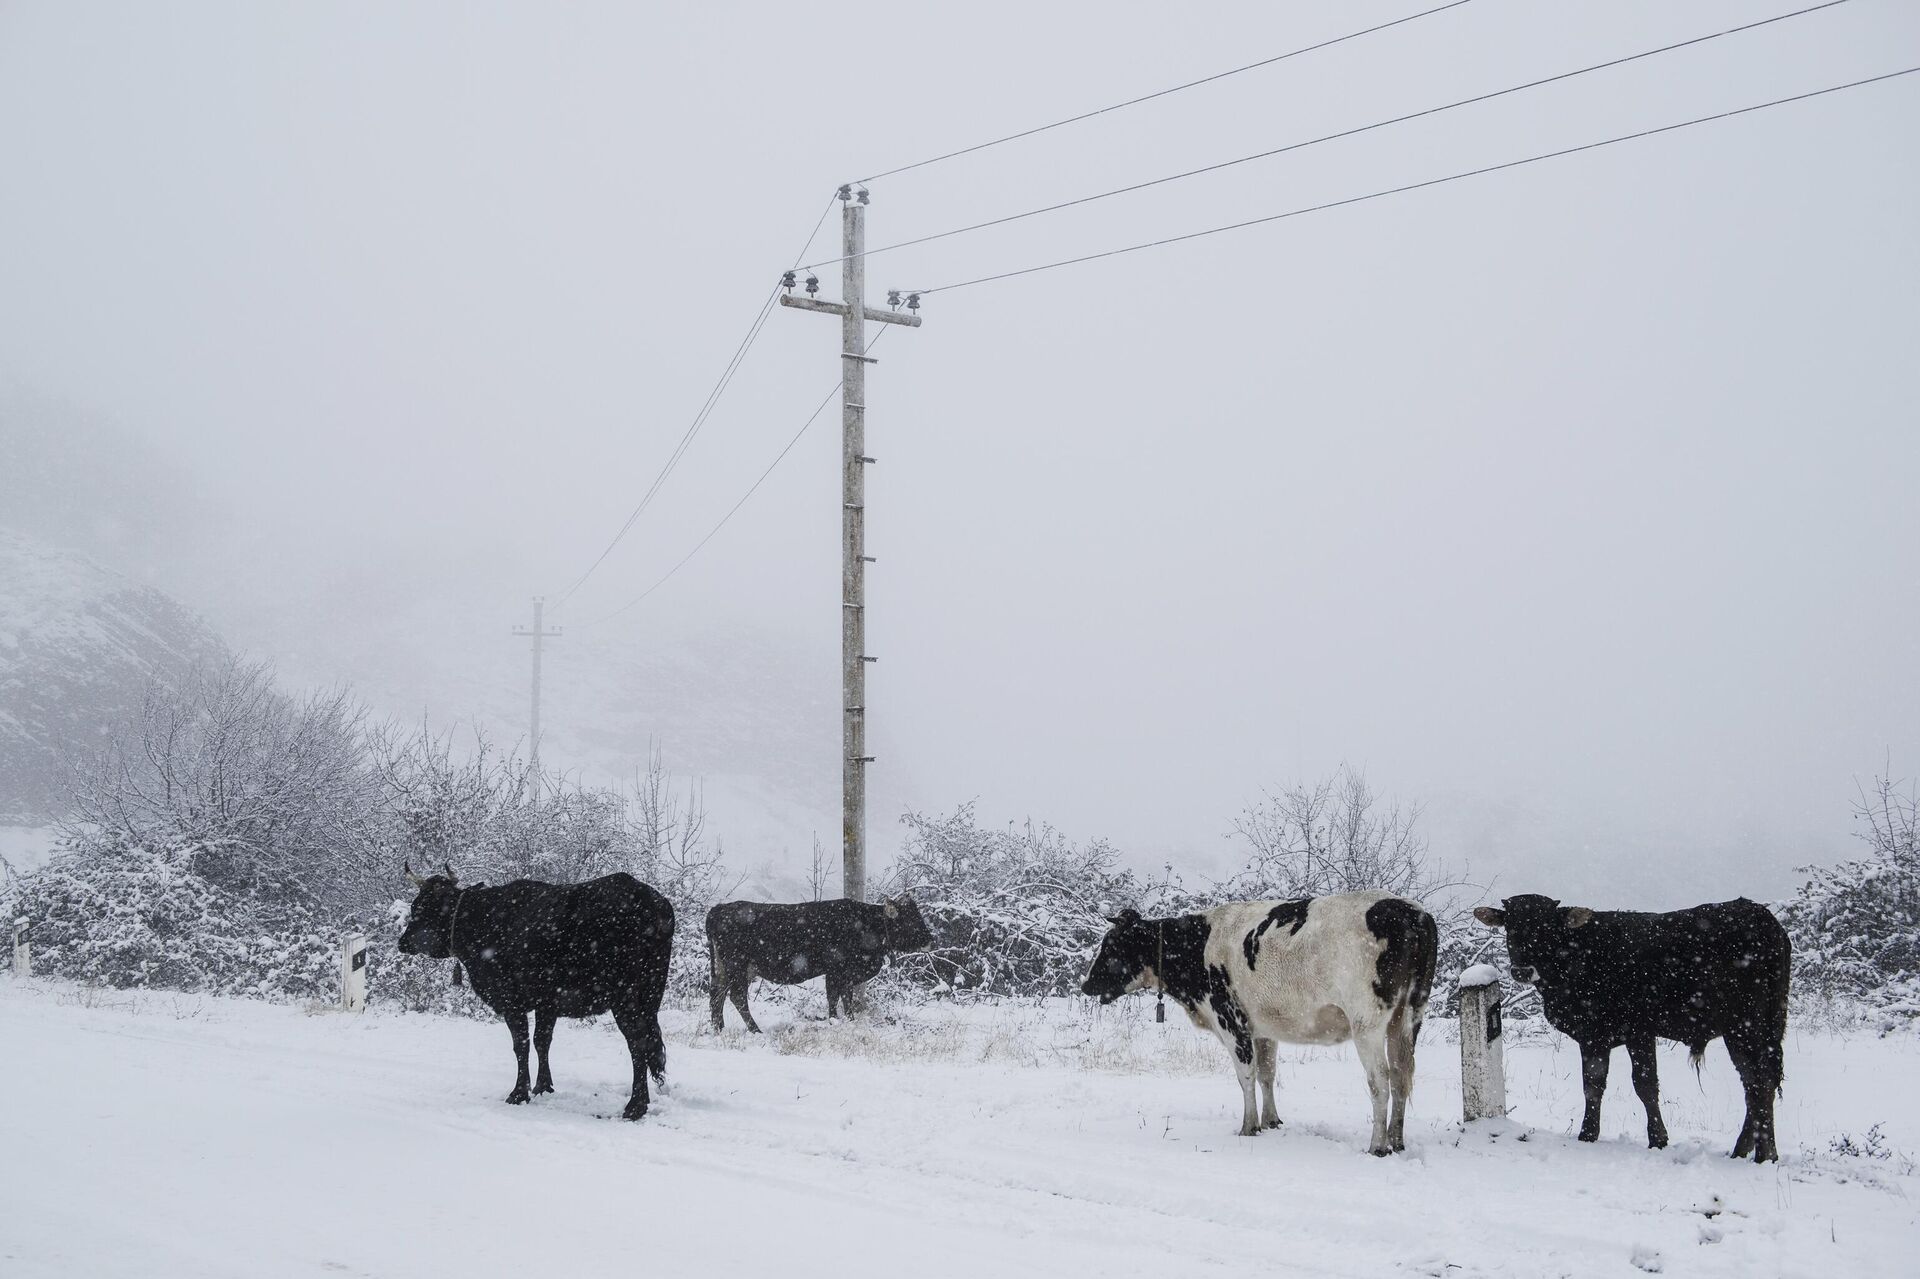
[840,308]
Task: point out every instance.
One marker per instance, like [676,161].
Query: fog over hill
[79,646]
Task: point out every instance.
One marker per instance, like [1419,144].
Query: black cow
[847,941]
[556,950]
[1613,977]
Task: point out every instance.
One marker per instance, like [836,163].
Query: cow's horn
[416,880]
[451,877]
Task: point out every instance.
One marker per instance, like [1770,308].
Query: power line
[734,509]
[1416,186]
[699,418]
[1333,137]
[1149,97]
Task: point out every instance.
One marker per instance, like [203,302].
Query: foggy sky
[1579,496]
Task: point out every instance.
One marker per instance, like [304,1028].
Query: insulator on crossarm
[813,284]
[861,195]
[846,190]
[913,301]
[787,281]
[893,298]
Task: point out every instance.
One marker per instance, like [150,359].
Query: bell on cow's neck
[459,977]
[1160,1007]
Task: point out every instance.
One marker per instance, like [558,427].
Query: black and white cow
[1613,977]
[1321,970]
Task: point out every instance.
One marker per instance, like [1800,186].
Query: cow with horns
[1320,970]
[555,950]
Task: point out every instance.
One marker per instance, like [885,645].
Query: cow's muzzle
[1524,974]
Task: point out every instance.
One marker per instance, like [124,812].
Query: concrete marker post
[353,974]
[1483,1074]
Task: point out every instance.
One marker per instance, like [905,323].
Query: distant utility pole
[538,633]
[854,314]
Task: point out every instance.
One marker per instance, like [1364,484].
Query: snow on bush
[130,917]
[1856,926]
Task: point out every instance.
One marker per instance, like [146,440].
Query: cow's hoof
[1380,1151]
[544,1087]
[518,1097]
[1269,1125]
[1589,1136]
[634,1110]
[1399,1147]
[1657,1143]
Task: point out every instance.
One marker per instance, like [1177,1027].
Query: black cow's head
[906,928]
[430,924]
[1125,958]
[1544,943]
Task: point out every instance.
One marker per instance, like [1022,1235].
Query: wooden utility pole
[854,314]
[538,633]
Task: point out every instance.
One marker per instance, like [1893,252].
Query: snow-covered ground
[160,1135]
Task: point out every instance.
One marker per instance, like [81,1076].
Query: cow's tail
[654,991]
[1777,1037]
[657,1053]
[716,976]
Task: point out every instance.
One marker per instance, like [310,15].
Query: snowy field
[162,1135]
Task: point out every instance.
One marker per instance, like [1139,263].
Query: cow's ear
[1578,917]
[1491,916]
[893,911]
[1127,916]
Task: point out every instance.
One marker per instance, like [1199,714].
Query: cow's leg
[542,1041]
[1241,1046]
[717,991]
[634,1026]
[1593,1079]
[1370,1041]
[1646,1082]
[517,1027]
[1264,1053]
[739,982]
[1400,1033]
[836,992]
[1759,1079]
[1743,1062]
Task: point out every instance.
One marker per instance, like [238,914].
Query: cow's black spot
[1405,967]
[1227,1010]
[1293,912]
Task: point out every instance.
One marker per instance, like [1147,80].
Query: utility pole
[538,633]
[854,314]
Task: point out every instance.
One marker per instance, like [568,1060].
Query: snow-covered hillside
[171,1135]
[79,644]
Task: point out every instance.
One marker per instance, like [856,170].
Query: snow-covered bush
[272,793]
[229,836]
[1013,912]
[1855,927]
[130,916]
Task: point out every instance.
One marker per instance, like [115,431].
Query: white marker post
[1483,1071]
[353,974]
[22,953]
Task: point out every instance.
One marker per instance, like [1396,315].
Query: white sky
[1585,488]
